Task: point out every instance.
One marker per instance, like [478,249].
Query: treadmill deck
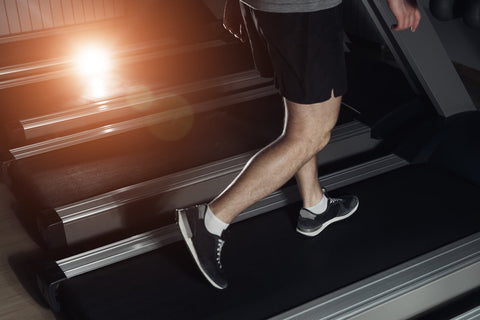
[403,214]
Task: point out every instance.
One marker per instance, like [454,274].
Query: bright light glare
[97,88]
[108,129]
[93,61]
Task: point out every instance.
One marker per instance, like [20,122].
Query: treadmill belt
[403,214]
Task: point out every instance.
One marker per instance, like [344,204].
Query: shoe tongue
[201,212]
[304,213]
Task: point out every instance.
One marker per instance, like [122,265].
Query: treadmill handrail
[433,74]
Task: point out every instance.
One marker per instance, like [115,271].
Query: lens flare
[179,125]
[140,97]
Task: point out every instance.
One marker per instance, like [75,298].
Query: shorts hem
[318,99]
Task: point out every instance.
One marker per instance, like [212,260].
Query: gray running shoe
[206,248]
[310,224]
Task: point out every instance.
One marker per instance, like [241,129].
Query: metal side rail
[402,291]
[473,314]
[25,74]
[138,123]
[53,273]
[77,222]
[42,66]
[110,109]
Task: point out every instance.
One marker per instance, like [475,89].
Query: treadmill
[386,262]
[67,162]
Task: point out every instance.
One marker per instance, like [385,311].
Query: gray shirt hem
[290,6]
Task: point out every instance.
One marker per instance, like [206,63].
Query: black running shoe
[311,224]
[206,248]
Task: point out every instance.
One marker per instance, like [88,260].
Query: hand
[407,14]
[233,21]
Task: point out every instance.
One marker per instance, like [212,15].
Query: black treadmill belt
[271,268]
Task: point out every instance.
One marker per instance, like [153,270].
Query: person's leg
[308,185]
[307,131]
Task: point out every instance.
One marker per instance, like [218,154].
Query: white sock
[213,224]
[319,207]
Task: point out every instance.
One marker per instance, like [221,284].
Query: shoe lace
[220,244]
[334,200]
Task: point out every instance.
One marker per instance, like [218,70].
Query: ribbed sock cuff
[213,224]
[320,207]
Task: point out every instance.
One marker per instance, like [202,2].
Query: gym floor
[15,245]
[18,296]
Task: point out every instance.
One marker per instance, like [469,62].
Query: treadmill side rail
[118,251]
[138,123]
[402,291]
[49,277]
[111,109]
[469,315]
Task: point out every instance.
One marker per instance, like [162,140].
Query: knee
[319,142]
[309,144]
[323,141]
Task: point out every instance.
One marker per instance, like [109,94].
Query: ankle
[313,198]
[320,206]
[213,224]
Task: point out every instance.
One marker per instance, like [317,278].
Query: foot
[205,247]
[310,224]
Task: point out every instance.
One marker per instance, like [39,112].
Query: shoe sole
[187,235]
[326,224]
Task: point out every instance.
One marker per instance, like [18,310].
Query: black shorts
[303,52]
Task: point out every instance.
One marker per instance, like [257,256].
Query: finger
[396,26]
[418,17]
[410,21]
[400,23]
[406,22]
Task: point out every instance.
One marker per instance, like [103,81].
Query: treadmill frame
[402,291]
[53,273]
